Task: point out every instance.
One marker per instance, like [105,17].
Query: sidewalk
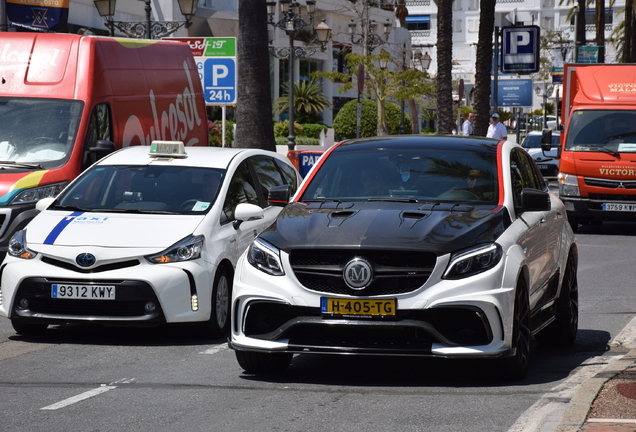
[606,402]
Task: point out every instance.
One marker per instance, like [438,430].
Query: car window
[242,189]
[523,173]
[267,173]
[407,174]
[289,174]
[147,188]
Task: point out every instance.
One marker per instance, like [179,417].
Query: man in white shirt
[497,129]
[467,126]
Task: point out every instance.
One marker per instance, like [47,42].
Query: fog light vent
[23,303]
[150,307]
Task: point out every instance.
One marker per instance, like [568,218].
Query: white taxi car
[146,236]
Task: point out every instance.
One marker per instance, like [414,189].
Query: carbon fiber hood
[438,228]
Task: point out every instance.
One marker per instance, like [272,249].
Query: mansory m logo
[358,273]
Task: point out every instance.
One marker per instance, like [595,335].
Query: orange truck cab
[597,173]
[67,100]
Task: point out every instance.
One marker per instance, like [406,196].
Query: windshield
[143,189]
[420,175]
[602,131]
[534,141]
[38,131]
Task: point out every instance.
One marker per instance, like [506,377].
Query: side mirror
[279,195]
[546,140]
[93,154]
[43,204]
[534,200]
[245,212]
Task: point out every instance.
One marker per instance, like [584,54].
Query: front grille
[462,326]
[610,184]
[102,268]
[130,299]
[395,272]
[612,198]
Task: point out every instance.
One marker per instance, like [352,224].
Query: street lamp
[292,23]
[369,39]
[148,29]
[547,91]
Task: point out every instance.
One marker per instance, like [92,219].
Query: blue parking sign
[520,49]
[219,81]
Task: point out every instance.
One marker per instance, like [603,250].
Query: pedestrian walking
[467,126]
[497,129]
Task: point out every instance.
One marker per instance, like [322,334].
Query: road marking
[80,397]
[215,349]
[546,413]
[15,348]
[89,394]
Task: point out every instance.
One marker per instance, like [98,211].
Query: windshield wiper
[22,165]
[604,150]
[408,200]
[71,208]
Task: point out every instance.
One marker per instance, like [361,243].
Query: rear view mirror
[279,196]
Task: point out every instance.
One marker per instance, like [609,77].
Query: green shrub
[215,132]
[300,140]
[281,129]
[345,122]
[312,130]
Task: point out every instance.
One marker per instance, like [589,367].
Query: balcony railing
[418,3]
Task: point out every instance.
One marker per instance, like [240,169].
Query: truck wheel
[219,320]
[562,331]
[26,329]
[516,367]
[574,223]
[260,362]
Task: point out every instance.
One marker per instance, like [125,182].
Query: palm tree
[445,66]
[254,124]
[309,101]
[600,29]
[481,100]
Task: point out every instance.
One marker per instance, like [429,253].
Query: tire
[574,223]
[27,329]
[516,367]
[219,321]
[562,331]
[260,362]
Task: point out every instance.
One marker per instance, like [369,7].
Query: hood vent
[337,217]
[409,219]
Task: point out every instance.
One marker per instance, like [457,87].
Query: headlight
[473,261]
[569,185]
[37,193]
[17,246]
[265,257]
[185,250]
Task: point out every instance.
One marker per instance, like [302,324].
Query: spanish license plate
[86,292]
[370,308]
[543,166]
[619,207]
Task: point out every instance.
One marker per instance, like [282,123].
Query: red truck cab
[66,100]
[597,174]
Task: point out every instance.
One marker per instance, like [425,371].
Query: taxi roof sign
[167,148]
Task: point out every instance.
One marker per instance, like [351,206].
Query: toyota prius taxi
[146,236]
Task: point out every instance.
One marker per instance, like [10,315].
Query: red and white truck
[597,173]
[67,100]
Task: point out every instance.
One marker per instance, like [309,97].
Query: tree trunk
[383,130]
[600,29]
[580,27]
[254,124]
[415,118]
[445,122]
[483,65]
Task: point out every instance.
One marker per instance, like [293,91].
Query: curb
[579,406]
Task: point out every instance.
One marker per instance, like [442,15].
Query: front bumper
[466,318]
[586,208]
[25,292]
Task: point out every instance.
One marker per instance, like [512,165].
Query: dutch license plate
[359,308]
[86,292]
[619,207]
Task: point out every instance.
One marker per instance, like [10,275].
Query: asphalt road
[83,378]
